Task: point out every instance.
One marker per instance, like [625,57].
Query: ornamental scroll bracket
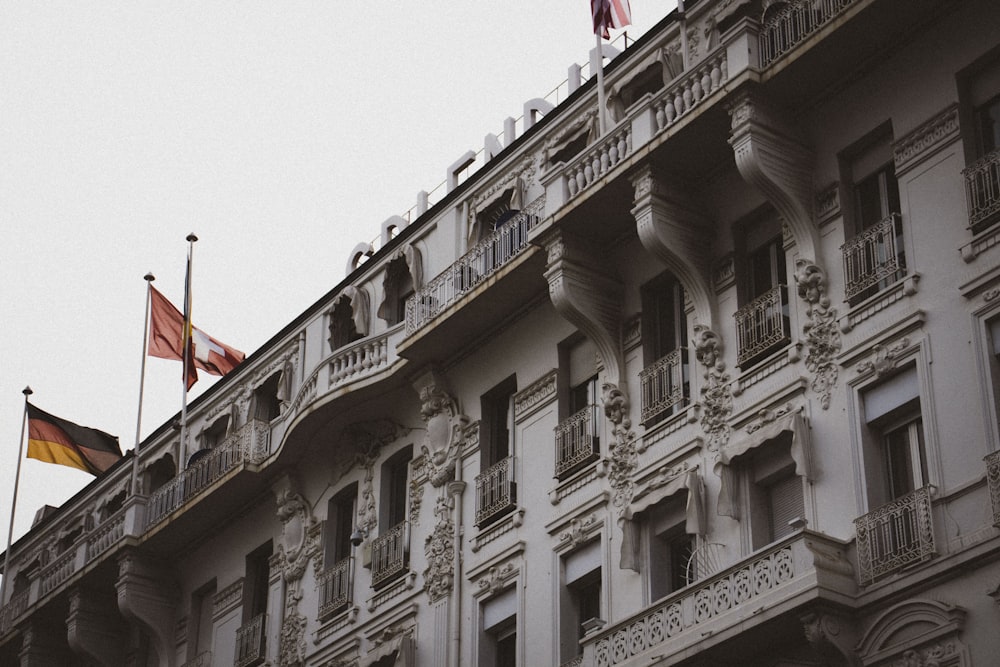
[445,426]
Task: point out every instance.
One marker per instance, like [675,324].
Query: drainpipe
[455,490]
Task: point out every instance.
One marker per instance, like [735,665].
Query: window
[580,597]
[762,321]
[498,636]
[391,549]
[398,287]
[200,628]
[265,404]
[251,637]
[496,491]
[873,255]
[664,337]
[774,491]
[577,435]
[894,453]
[979,96]
[335,582]
[343,330]
[669,548]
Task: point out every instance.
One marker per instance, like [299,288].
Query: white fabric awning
[655,492]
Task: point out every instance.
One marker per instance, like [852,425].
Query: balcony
[250,642]
[781,579]
[473,268]
[993,482]
[895,536]
[577,442]
[600,159]
[873,259]
[13,610]
[663,385]
[364,358]
[390,554]
[335,587]
[762,326]
[982,191]
[793,23]
[496,492]
[249,444]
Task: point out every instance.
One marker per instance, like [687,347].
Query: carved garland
[716,393]
[300,544]
[439,548]
[624,457]
[820,329]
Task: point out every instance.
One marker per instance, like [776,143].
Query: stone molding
[926,140]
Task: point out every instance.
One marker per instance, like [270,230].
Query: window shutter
[785,503]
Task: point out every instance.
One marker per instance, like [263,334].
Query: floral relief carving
[496,578]
[300,543]
[439,548]
[716,392]
[883,359]
[443,437]
[579,531]
[820,330]
[624,458]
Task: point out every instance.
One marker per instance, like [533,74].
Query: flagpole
[186,342]
[598,61]
[149,278]
[13,503]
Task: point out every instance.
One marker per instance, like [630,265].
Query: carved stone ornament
[439,548]
[362,443]
[820,331]
[831,637]
[300,543]
[716,392]
[443,439]
[497,578]
[579,531]
[624,458]
[883,359]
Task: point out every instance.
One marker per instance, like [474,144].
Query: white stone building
[718,385]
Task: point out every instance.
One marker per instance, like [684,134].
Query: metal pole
[598,61]
[186,341]
[149,278]
[13,503]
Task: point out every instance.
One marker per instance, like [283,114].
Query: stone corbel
[94,628]
[148,596]
[677,232]
[832,637]
[779,166]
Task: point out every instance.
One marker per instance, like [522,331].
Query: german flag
[56,440]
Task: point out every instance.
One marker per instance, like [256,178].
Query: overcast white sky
[282,134]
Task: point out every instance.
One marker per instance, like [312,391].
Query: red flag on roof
[166,340]
[610,14]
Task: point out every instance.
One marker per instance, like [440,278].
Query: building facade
[717,383]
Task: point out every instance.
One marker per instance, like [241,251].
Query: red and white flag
[166,341]
[610,14]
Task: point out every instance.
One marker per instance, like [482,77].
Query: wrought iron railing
[473,268]
[577,441]
[993,481]
[872,258]
[794,23]
[390,554]
[982,190]
[13,610]
[663,385]
[250,640]
[895,535]
[335,586]
[248,444]
[762,325]
[496,492]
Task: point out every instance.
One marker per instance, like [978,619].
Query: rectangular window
[775,495]
[496,490]
[580,597]
[762,325]
[669,548]
[577,435]
[498,637]
[664,378]
[200,621]
[340,523]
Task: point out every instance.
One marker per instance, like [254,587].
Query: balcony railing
[496,492]
[895,535]
[250,642]
[680,619]
[663,385]
[360,359]
[688,91]
[13,610]
[335,584]
[872,258]
[577,442]
[390,554]
[794,23]
[473,268]
[762,325]
[601,158]
[982,190]
[993,481]
[106,535]
[248,444]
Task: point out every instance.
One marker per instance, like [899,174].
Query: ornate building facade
[718,384]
